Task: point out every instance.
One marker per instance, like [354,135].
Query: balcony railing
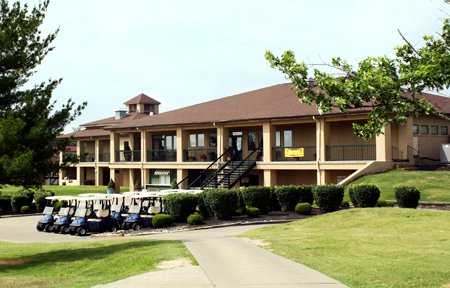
[103,157]
[162,155]
[204,154]
[350,152]
[300,153]
[87,157]
[128,156]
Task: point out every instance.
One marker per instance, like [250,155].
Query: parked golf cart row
[95,213]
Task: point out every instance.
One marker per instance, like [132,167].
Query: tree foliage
[29,118]
[390,88]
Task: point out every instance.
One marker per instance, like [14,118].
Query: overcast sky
[186,52]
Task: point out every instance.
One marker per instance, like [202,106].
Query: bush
[289,196]
[384,203]
[180,205]
[195,219]
[328,197]
[274,203]
[258,197]
[203,205]
[222,202]
[25,209]
[162,220]
[303,208]
[407,197]
[39,199]
[252,211]
[364,195]
[5,204]
[57,205]
[17,201]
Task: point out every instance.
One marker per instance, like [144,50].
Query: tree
[389,88]
[29,119]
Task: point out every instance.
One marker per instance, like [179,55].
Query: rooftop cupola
[143,104]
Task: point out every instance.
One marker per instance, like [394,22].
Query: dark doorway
[235,145]
[106,176]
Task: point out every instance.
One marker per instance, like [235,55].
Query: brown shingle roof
[113,120]
[142,99]
[91,133]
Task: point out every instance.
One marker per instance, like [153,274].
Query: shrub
[162,220]
[203,205]
[328,197]
[258,197]
[39,199]
[57,205]
[5,204]
[274,203]
[252,211]
[180,205]
[195,219]
[289,196]
[407,197]
[303,208]
[222,202]
[17,201]
[384,203]
[364,195]
[25,209]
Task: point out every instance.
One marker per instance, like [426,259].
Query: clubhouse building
[262,137]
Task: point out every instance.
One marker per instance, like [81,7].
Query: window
[415,129]
[147,108]
[287,138]
[213,140]
[434,130]
[160,177]
[132,107]
[277,138]
[424,129]
[444,130]
[252,140]
[197,140]
[164,142]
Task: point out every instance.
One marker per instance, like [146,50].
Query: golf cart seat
[102,213]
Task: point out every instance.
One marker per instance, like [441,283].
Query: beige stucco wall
[296,177]
[341,133]
[331,176]
[429,145]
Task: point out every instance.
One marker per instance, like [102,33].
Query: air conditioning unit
[445,153]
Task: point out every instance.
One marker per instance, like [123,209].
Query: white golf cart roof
[91,194]
[61,198]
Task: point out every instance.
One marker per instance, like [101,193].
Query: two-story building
[262,137]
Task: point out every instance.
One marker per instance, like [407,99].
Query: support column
[181,174]
[268,141]
[113,146]
[143,147]
[222,140]
[270,178]
[321,177]
[112,174]
[99,176]
[131,175]
[405,137]
[384,145]
[322,129]
[80,175]
[144,177]
[180,145]
[97,150]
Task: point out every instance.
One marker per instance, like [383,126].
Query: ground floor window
[161,177]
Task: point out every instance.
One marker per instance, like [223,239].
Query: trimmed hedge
[252,212]
[274,204]
[288,196]
[180,205]
[328,197]
[5,204]
[257,196]
[364,195]
[303,208]
[203,205]
[195,219]
[407,196]
[162,220]
[25,209]
[17,201]
[384,203]
[222,202]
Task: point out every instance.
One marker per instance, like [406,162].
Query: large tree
[389,87]
[29,118]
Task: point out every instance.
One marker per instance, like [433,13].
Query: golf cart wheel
[56,229]
[136,227]
[40,227]
[65,230]
[72,230]
[81,231]
[48,228]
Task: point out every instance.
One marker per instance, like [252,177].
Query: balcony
[201,154]
[350,152]
[162,155]
[128,156]
[87,157]
[304,153]
[103,157]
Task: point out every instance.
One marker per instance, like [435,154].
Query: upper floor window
[147,108]
[415,129]
[132,108]
[213,140]
[286,140]
[164,142]
[434,130]
[444,130]
[197,140]
[424,129]
[278,138]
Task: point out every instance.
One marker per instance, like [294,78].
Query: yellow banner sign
[294,152]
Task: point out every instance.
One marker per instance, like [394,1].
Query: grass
[371,247]
[82,264]
[60,190]
[433,185]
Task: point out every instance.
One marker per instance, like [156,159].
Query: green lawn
[61,190]
[371,247]
[433,185]
[82,264]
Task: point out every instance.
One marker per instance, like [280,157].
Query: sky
[186,52]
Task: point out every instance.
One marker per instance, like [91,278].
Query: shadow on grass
[70,255]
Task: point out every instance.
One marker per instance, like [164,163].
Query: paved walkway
[224,260]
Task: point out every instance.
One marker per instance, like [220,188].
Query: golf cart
[47,220]
[83,212]
[100,220]
[117,209]
[137,216]
[64,215]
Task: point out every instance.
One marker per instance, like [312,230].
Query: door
[235,145]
